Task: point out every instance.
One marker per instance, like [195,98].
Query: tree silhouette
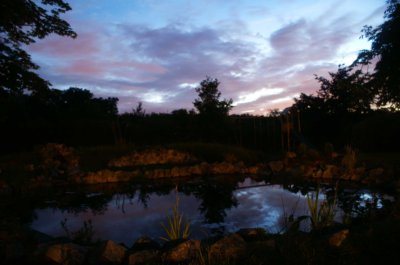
[139,110]
[345,92]
[385,49]
[208,103]
[22,22]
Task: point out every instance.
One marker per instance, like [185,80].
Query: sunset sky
[157,51]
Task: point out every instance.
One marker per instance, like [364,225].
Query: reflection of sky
[264,207]
[126,219]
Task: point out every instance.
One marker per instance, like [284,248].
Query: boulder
[145,243]
[183,252]
[66,254]
[177,172]
[253,170]
[291,155]
[109,176]
[144,257]
[337,239]
[330,172]
[153,157]
[111,252]
[307,170]
[253,234]
[224,168]
[230,247]
[276,166]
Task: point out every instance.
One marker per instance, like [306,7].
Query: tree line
[352,106]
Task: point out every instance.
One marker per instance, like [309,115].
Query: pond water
[125,212]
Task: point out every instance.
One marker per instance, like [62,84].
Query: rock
[253,170]
[337,239]
[291,155]
[144,257]
[111,252]
[196,170]
[252,234]
[145,243]
[308,171]
[66,254]
[183,252]
[330,171]
[317,173]
[276,166]
[229,247]
[223,168]
[109,176]
[153,157]
[177,172]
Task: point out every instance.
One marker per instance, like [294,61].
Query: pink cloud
[83,67]
[86,44]
[143,67]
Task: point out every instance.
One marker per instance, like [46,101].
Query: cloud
[253,96]
[261,63]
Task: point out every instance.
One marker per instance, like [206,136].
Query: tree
[22,22]
[345,92]
[208,103]
[385,49]
[139,110]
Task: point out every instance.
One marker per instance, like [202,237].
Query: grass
[321,213]
[83,235]
[176,227]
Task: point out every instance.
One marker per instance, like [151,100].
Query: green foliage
[349,159]
[176,227]
[321,213]
[83,235]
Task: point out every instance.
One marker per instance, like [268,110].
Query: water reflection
[125,212]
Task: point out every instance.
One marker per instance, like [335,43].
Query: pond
[125,212]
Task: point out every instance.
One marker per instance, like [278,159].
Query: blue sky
[264,53]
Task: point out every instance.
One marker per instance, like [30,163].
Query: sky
[264,53]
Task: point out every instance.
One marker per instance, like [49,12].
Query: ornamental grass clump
[176,228]
[322,214]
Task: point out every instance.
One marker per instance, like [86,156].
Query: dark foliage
[73,116]
[345,92]
[208,103]
[22,22]
[385,50]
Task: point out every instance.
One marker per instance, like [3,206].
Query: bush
[58,161]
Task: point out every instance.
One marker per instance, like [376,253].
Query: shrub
[58,160]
